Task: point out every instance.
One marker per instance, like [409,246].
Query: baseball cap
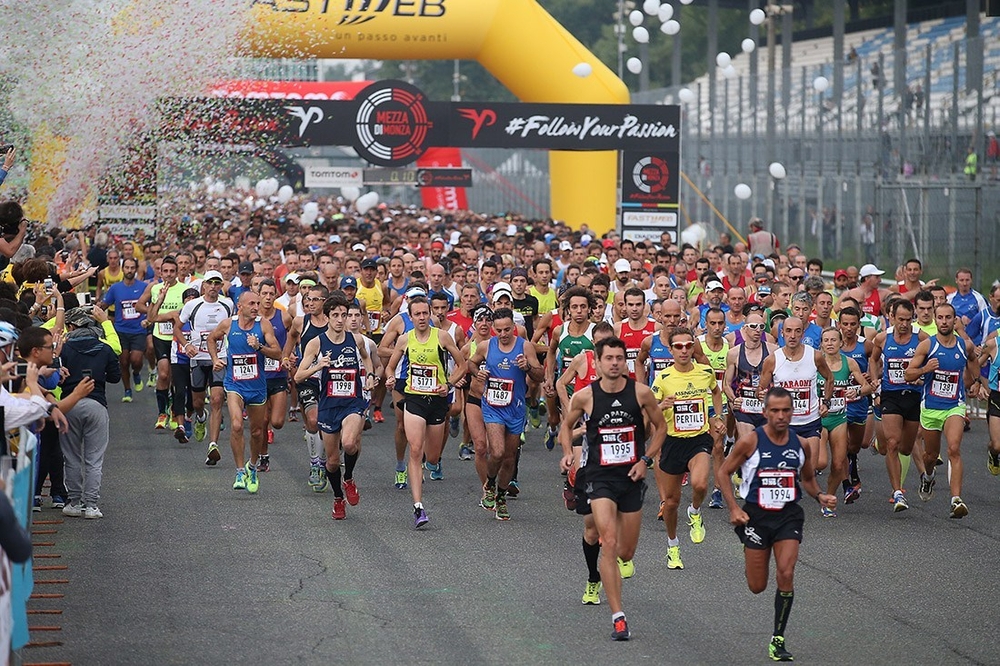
[622,266]
[501,289]
[246,267]
[415,291]
[759,256]
[519,271]
[369,263]
[511,229]
[335,238]
[348,281]
[358,247]
[608,243]
[292,277]
[212,275]
[438,244]
[769,263]
[713,285]
[566,246]
[839,273]
[764,290]
[868,270]
[585,239]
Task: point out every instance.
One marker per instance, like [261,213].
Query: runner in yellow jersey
[685,391]
[373,296]
[159,302]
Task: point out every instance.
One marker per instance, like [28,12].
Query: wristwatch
[647,460]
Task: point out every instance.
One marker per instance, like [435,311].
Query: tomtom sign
[332,176]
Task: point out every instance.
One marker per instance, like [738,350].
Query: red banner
[248,89]
[443,198]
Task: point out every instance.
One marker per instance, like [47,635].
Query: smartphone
[56,362]
[6,148]
[87,373]
[48,284]
[84,299]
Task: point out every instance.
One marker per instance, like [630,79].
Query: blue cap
[348,281]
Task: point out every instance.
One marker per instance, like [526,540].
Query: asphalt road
[185,570]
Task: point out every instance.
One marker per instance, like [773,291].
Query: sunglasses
[795,277]
[682,345]
[755,327]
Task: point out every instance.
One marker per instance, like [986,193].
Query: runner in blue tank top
[508,360]
[249,339]
[858,409]
[275,371]
[948,365]
[775,470]
[346,372]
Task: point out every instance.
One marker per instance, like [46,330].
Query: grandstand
[814,58]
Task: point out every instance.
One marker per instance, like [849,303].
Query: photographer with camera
[13,228]
[86,356]
[8,162]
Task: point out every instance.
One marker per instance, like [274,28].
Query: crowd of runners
[736,369]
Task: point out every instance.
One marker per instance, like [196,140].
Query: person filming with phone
[13,228]
[85,355]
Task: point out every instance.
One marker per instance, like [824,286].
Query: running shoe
[401,480]
[926,490]
[827,512]
[241,480]
[489,499]
[501,508]
[339,508]
[270,437]
[73,510]
[626,569]
[659,514]
[314,476]
[58,502]
[534,418]
[550,439]
[674,557]
[899,502]
[200,429]
[213,454]
[776,649]
[852,494]
[351,491]
[939,462]
[419,518]
[92,512]
[188,429]
[180,434]
[264,464]
[513,489]
[569,497]
[369,424]
[465,453]
[172,424]
[252,482]
[293,415]
[685,479]
[968,424]
[993,463]
[378,418]
[542,409]
[592,595]
[453,426]
[716,501]
[324,482]
[697,526]
[437,471]
[128,396]
[958,508]
[161,422]
[137,381]
[621,632]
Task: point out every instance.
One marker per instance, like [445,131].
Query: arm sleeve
[14,539]
[111,337]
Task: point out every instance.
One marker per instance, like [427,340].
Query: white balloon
[260,189]
[307,219]
[686,2]
[723,60]
[248,202]
[686,95]
[742,191]
[634,65]
[729,72]
[748,45]
[311,208]
[285,193]
[694,234]
[350,193]
[777,170]
[671,27]
[666,12]
[582,69]
[821,83]
[651,7]
[266,188]
[241,183]
[758,16]
[366,202]
[640,35]
[636,18]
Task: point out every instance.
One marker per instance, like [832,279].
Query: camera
[6,148]
[21,369]
[11,215]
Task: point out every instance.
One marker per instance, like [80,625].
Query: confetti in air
[90,71]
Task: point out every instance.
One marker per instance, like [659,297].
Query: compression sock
[350,460]
[333,475]
[782,607]
[161,400]
[852,464]
[904,462]
[591,553]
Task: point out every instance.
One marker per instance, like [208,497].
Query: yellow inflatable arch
[516,40]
